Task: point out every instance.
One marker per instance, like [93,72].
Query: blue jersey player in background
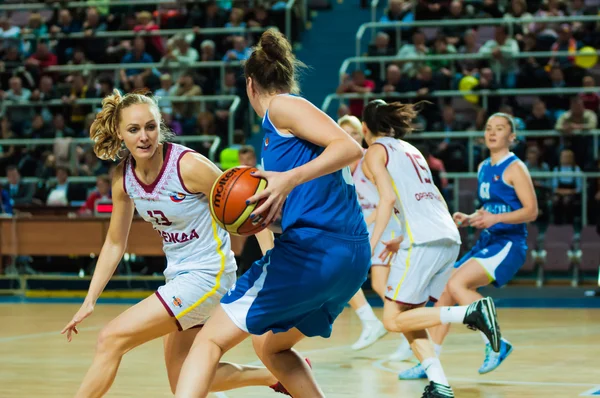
[322,257]
[508,200]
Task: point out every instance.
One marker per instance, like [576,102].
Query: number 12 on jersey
[417,162]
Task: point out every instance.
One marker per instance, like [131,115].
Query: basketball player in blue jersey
[323,255]
[508,202]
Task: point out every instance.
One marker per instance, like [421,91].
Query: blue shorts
[500,255]
[305,282]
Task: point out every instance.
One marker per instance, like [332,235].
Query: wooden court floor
[557,353]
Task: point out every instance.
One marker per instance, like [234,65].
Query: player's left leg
[423,350]
[228,376]
[277,353]
[372,327]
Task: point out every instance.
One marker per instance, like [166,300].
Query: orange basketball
[228,200]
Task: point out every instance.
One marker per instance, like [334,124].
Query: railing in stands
[78,4]
[445,57]
[464,22]
[116,68]
[97,101]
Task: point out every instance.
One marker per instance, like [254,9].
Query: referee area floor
[556,354]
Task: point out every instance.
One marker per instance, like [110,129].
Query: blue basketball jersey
[328,203]
[497,196]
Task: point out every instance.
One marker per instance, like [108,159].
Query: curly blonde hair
[105,128]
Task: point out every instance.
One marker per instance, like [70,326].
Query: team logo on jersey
[177,197]
[390,288]
[266,142]
[177,302]
[496,178]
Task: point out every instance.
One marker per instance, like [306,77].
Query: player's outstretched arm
[375,160]
[112,250]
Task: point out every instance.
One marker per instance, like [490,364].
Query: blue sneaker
[414,373]
[494,359]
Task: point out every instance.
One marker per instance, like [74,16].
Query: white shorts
[190,297]
[420,273]
[391,231]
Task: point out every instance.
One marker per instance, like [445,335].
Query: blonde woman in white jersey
[372,327]
[169,185]
[425,253]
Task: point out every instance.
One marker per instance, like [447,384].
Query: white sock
[453,314]
[438,349]
[435,373]
[366,314]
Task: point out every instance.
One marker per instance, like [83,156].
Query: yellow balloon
[586,58]
[466,84]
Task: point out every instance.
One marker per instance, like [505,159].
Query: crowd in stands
[564,113]
[34,41]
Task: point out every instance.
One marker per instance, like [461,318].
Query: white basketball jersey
[191,238]
[421,210]
[365,190]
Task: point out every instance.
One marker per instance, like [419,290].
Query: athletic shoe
[372,331]
[493,359]
[403,352]
[481,315]
[415,373]
[435,390]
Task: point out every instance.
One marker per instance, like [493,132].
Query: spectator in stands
[9,154]
[205,123]
[451,151]
[517,11]
[76,113]
[39,128]
[356,83]
[236,19]
[567,191]
[106,85]
[469,46]
[92,166]
[61,130]
[45,92]
[591,101]
[137,55]
[240,50]
[41,59]
[35,26]
[394,82]
[20,193]
[10,35]
[502,50]
[66,24]
[180,51]
[424,85]
[186,111]
[153,44]
[557,103]
[19,116]
[431,9]
[489,9]
[172,124]
[12,65]
[564,43]
[540,118]
[102,191]
[578,119]
[247,156]
[6,206]
[63,192]
[381,48]
[542,186]
[95,47]
[79,58]
[455,33]
[167,89]
[442,69]
[417,49]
